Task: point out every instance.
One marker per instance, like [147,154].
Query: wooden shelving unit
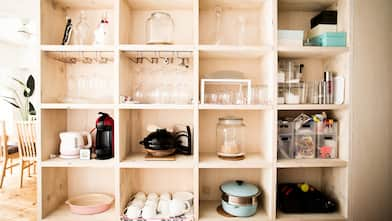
[202,172]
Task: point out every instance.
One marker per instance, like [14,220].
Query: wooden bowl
[89,204]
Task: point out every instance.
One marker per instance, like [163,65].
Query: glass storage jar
[159,28]
[230,132]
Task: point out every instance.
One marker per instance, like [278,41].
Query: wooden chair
[7,153]
[27,146]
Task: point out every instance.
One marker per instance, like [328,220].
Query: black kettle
[161,140]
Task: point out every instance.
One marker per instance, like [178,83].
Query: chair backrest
[27,139]
[3,140]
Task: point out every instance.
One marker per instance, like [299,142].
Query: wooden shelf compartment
[174,79]
[77,83]
[133,129]
[331,181]
[61,183]
[134,14]
[256,69]
[210,195]
[343,151]
[55,121]
[258,138]
[158,180]
[77,48]
[54,12]
[313,70]
[256,16]
[296,15]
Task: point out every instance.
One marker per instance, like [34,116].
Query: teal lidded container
[239,198]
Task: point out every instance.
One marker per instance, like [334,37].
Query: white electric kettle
[72,142]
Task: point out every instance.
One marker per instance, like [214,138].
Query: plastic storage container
[330,39]
[292,70]
[295,93]
[159,28]
[281,93]
[230,132]
[285,140]
[305,141]
[327,140]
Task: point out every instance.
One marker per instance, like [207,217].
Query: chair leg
[29,165]
[11,165]
[21,174]
[3,169]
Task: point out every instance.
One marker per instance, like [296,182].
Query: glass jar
[230,132]
[159,28]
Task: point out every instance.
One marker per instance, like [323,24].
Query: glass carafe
[230,140]
[82,30]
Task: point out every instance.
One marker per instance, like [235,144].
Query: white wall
[372,111]
[15,60]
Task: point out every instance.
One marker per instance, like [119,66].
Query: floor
[18,204]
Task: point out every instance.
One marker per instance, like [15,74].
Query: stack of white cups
[152,205]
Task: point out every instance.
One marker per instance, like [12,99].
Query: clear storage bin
[293,93]
[292,70]
[327,140]
[285,140]
[305,141]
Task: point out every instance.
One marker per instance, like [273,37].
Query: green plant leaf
[30,86]
[7,97]
[32,109]
[19,81]
[13,104]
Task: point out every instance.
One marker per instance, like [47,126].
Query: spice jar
[230,139]
[159,28]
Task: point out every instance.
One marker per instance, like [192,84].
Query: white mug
[140,195]
[165,196]
[152,203]
[163,207]
[184,196]
[148,212]
[152,196]
[133,212]
[178,207]
[138,203]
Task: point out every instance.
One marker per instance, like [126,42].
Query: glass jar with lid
[159,28]
[230,140]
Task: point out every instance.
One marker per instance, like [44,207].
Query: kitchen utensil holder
[82,58]
[158,58]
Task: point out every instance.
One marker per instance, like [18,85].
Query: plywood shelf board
[63,213]
[85,4]
[281,216]
[137,160]
[252,160]
[310,51]
[58,162]
[297,163]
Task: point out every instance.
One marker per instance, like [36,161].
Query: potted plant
[20,97]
